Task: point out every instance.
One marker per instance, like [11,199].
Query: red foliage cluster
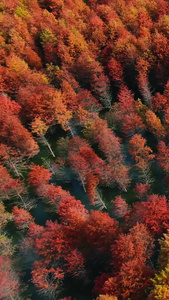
[131,275]
[39,176]
[120,207]
[13,133]
[22,217]
[153,213]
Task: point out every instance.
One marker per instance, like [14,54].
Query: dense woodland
[84,149]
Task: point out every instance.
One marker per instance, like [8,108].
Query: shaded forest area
[84,149]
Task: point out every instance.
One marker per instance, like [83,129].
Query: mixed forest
[84,149]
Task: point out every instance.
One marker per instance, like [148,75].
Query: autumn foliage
[84,149]
[9,284]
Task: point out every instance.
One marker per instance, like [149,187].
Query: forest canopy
[84,149]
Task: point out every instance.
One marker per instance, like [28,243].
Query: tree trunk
[15,169]
[99,200]
[48,145]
